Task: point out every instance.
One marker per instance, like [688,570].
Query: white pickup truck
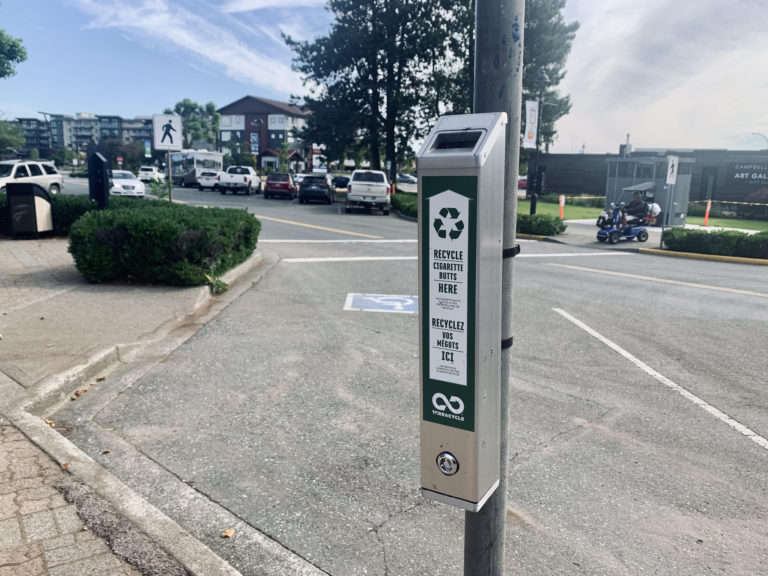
[238,178]
[150,174]
[368,189]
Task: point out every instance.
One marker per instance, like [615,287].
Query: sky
[670,74]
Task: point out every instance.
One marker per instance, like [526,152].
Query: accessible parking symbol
[382,303]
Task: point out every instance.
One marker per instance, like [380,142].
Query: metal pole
[536,177]
[170,179]
[666,218]
[498,88]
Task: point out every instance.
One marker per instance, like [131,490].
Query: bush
[540,224]
[66,209]
[722,242]
[588,201]
[406,204]
[160,242]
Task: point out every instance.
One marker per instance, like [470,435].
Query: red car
[280,184]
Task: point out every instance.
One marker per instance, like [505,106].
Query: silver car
[125,183]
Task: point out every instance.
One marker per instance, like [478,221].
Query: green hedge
[721,242]
[406,204]
[160,242]
[538,224]
[66,209]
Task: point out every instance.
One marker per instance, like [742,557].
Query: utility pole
[499,26]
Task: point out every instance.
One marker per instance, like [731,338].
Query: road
[639,412]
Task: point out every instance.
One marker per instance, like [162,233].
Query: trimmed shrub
[719,242]
[540,224]
[5,216]
[406,204]
[66,209]
[754,246]
[159,242]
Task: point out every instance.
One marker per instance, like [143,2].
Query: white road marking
[298,241]
[569,254]
[348,259]
[739,427]
[661,280]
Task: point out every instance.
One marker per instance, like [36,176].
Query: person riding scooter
[635,210]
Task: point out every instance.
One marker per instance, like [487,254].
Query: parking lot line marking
[569,254]
[348,259]
[722,416]
[315,227]
[300,241]
[662,280]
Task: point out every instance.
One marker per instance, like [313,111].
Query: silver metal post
[499,28]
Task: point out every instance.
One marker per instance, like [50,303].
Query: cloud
[205,34]
[668,75]
[250,5]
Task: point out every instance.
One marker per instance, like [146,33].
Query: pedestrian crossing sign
[166,129]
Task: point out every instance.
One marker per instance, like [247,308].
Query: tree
[200,123]
[367,76]
[132,153]
[63,156]
[12,52]
[547,43]
[11,138]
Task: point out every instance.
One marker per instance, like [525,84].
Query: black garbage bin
[29,206]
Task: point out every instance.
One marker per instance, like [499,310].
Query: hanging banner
[531,123]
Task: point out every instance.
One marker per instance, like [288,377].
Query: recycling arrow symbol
[448,224]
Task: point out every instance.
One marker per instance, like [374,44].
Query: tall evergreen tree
[366,77]
[389,68]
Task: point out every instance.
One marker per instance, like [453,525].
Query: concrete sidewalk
[59,337]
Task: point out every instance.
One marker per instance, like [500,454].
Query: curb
[24,414]
[696,256]
[197,558]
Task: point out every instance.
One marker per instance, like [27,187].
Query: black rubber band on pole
[511,252]
[507,343]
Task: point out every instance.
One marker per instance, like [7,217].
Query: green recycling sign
[448,303]
[448,223]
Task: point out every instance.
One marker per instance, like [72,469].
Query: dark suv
[316,187]
[280,184]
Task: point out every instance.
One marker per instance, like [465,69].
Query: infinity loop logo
[442,403]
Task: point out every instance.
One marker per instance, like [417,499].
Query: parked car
[522,182]
[368,189]
[280,184]
[150,173]
[208,179]
[238,178]
[406,179]
[125,183]
[35,172]
[340,182]
[316,187]
[298,179]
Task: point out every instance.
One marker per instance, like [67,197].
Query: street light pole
[541,80]
[763,136]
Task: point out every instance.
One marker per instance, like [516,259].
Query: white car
[208,179]
[125,183]
[150,173]
[34,172]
